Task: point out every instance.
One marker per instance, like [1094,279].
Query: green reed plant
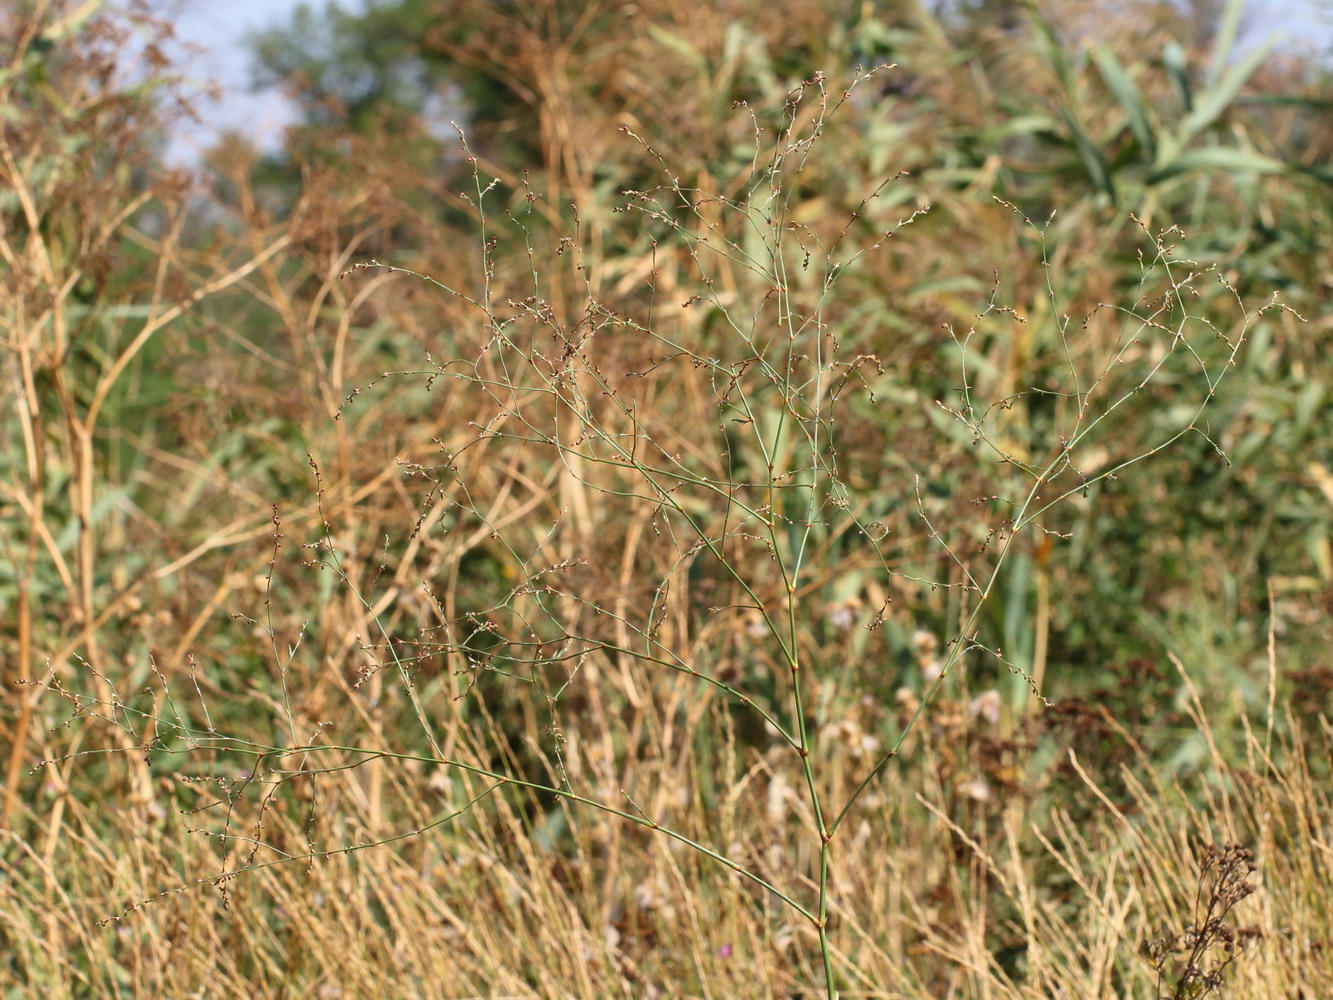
[649,501]
[98,273]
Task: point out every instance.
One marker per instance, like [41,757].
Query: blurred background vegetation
[198,412]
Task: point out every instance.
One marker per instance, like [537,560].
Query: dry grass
[1026,903]
[652,593]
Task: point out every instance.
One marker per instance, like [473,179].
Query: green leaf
[1055,51]
[1218,98]
[1287,101]
[1091,154]
[1127,94]
[1309,406]
[1218,159]
[1018,618]
[954,283]
[679,45]
[1027,124]
[1226,39]
[1173,59]
[1318,173]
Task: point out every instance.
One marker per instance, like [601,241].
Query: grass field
[829,504]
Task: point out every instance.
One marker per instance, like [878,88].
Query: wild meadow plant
[683,504]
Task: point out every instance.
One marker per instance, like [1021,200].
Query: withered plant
[702,396]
